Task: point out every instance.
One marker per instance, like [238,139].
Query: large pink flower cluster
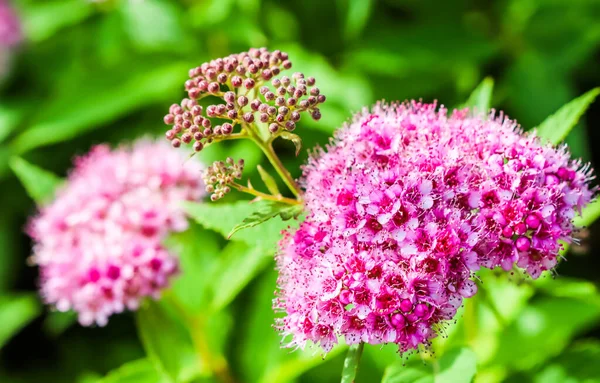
[403,206]
[98,244]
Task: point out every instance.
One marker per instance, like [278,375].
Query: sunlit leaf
[222,218]
[40,184]
[556,127]
[266,210]
[481,98]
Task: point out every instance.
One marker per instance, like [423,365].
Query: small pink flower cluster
[98,244]
[403,206]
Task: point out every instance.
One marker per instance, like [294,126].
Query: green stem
[351,363]
[270,197]
[216,363]
[279,168]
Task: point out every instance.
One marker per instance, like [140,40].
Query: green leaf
[481,98]
[357,17]
[223,217]
[398,373]
[167,342]
[138,371]
[296,140]
[556,127]
[57,322]
[457,366]
[10,116]
[577,364]
[40,184]
[266,210]
[239,264]
[153,24]
[75,114]
[16,311]
[42,19]
[268,180]
[199,254]
[589,214]
[543,329]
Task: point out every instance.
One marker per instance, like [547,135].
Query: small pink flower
[98,245]
[408,201]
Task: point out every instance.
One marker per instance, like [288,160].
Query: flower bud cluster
[220,175]
[249,90]
[404,206]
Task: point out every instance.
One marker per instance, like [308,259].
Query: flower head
[249,89]
[98,245]
[403,206]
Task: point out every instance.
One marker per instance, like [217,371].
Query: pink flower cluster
[403,206]
[98,244]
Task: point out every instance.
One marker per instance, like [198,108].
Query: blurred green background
[93,72]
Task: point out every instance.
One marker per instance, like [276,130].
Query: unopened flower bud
[249,117]
[273,128]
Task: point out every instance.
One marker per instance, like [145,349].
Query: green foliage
[40,184]
[167,342]
[93,72]
[481,98]
[137,371]
[16,311]
[265,211]
[556,127]
[456,366]
[222,218]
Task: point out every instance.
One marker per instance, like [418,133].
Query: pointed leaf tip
[556,127]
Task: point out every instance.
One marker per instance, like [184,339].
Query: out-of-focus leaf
[556,127]
[239,264]
[456,366]
[481,98]
[74,115]
[42,19]
[578,364]
[39,183]
[138,371]
[223,217]
[16,311]
[266,210]
[566,287]
[543,329]
[167,342]
[357,13]
[206,14]
[57,322]
[9,119]
[198,250]
[153,24]
[589,215]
